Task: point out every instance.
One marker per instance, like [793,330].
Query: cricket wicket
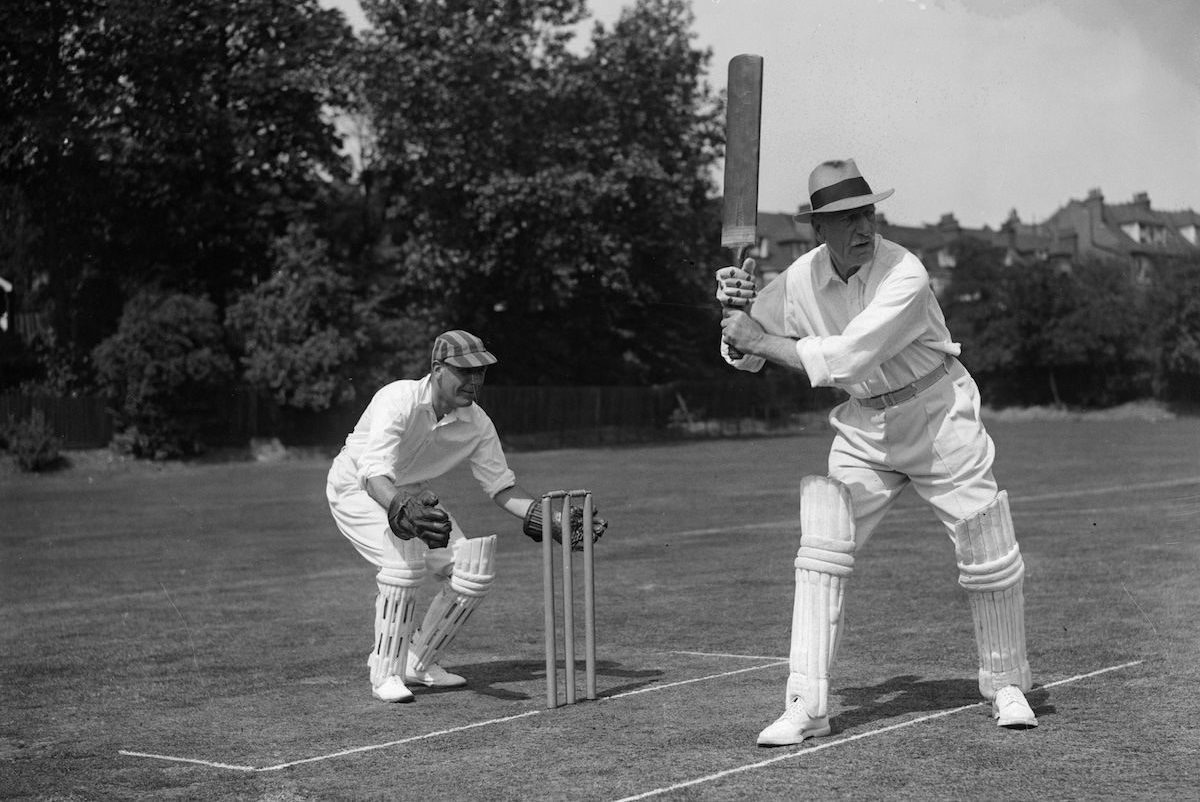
[568,595]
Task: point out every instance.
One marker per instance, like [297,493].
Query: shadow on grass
[487,678]
[907,694]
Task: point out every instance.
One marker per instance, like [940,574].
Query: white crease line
[373,747]
[734,656]
[690,681]
[186,760]
[830,744]
[451,731]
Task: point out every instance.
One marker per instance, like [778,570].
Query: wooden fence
[527,417]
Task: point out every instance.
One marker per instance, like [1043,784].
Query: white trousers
[364,523]
[936,442]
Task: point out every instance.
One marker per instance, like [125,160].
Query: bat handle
[739,254]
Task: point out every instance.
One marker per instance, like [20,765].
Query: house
[1026,244]
[1133,232]
[1089,229]
[782,239]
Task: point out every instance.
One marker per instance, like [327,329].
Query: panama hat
[836,186]
[461,349]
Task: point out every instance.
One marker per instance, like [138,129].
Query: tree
[166,358]
[1172,320]
[52,178]
[1096,336]
[299,330]
[163,143]
[558,204]
[1049,333]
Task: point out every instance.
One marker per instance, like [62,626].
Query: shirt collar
[826,274]
[425,399]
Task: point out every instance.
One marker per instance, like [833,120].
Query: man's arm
[752,337]
[410,517]
[382,490]
[897,315]
[523,505]
[748,336]
[514,501]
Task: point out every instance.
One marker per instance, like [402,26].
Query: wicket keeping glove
[420,517]
[533,525]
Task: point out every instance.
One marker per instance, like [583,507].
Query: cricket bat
[743,125]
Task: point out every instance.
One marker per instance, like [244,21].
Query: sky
[973,108]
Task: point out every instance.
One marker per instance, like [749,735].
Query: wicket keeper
[857,313]
[378,488]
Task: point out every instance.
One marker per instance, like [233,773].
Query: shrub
[299,329]
[160,371]
[32,443]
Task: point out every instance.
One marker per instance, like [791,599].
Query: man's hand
[742,333]
[735,286]
[420,517]
[533,525]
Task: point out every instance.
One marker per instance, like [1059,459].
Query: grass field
[200,632]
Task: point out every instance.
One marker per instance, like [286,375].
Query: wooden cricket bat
[743,127]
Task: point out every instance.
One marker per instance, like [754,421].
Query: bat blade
[743,123]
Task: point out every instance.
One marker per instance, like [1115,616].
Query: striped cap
[461,349]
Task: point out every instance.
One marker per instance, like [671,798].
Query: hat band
[847,188]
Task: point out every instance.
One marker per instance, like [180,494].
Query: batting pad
[394,619]
[992,572]
[824,562]
[469,583]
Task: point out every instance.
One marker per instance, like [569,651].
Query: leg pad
[824,562]
[469,583]
[992,572]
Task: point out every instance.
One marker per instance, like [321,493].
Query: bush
[161,370]
[299,329]
[32,443]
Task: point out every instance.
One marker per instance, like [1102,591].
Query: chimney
[1142,201]
[949,224]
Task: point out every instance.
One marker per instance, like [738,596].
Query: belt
[885,400]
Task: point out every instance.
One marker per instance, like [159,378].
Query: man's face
[457,387]
[850,236]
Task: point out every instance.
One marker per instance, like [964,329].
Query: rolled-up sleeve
[893,319]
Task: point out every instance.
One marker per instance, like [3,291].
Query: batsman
[378,488]
[858,313]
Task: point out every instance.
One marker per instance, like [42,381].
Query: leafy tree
[1172,320]
[162,143]
[219,135]
[167,357]
[1044,333]
[1095,335]
[299,329]
[556,203]
[53,183]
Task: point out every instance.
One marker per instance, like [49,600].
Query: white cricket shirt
[877,332]
[399,437]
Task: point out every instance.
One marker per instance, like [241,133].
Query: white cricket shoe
[793,726]
[1010,709]
[434,676]
[392,689]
